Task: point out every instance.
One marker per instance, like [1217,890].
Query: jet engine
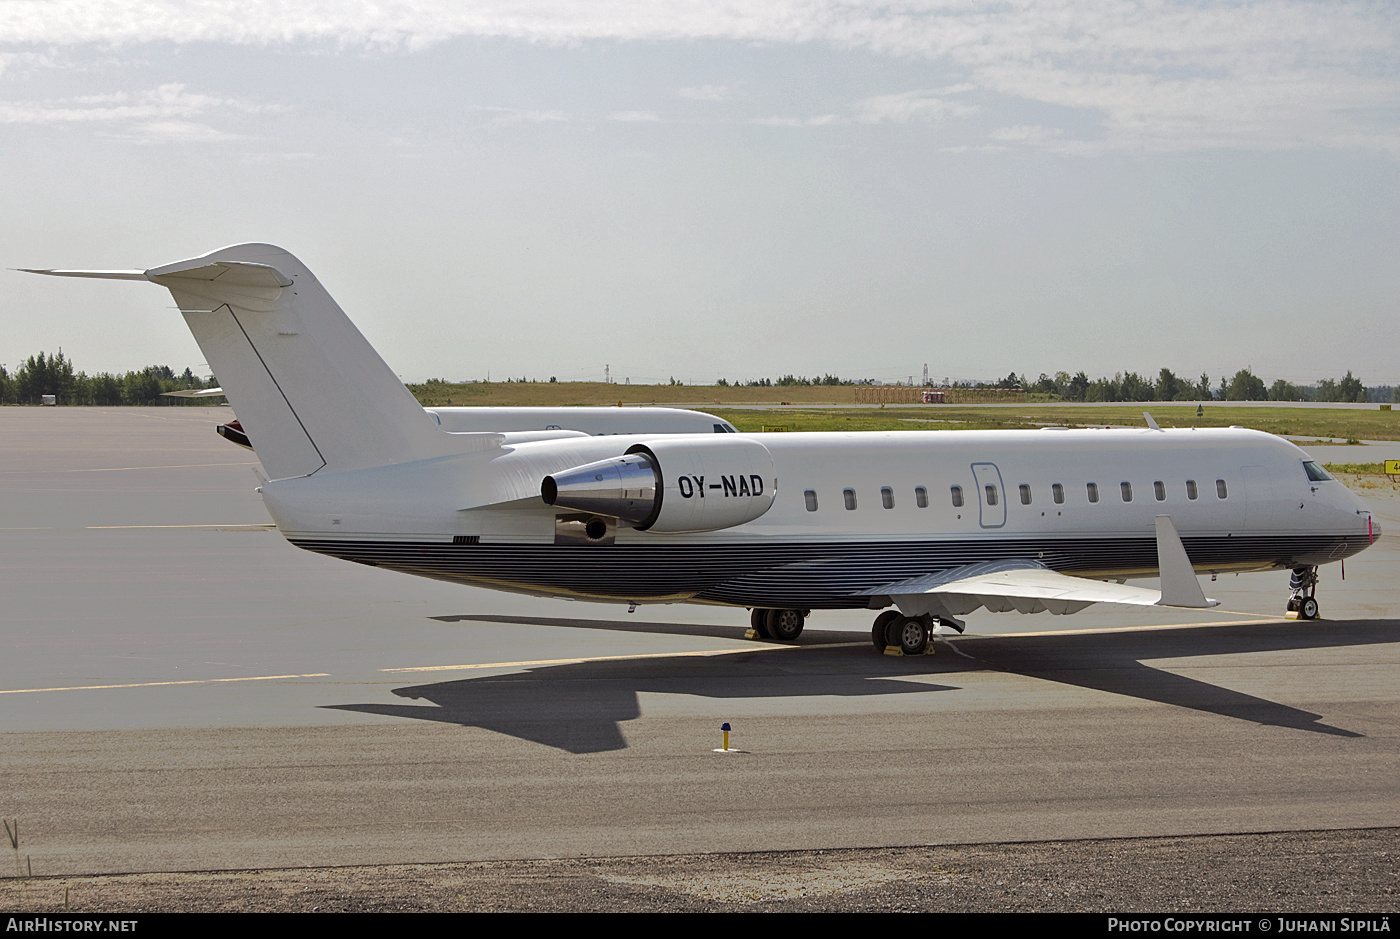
[673,485]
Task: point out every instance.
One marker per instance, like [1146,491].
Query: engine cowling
[680,484]
[623,487]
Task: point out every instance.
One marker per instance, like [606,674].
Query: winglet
[1179,584]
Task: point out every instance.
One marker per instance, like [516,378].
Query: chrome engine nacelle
[673,485]
[623,487]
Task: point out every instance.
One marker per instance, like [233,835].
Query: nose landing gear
[1302,603]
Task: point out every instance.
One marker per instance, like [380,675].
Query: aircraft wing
[194,393]
[1028,586]
[1023,585]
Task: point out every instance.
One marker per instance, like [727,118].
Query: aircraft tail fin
[308,389]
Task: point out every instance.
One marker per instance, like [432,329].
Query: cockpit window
[1315,472]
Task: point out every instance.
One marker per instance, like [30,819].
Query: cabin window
[1127,489]
[1159,489]
[1191,492]
[921,497]
[1025,494]
[850,496]
[887,497]
[957,497]
[1220,491]
[1093,490]
[810,497]
[992,498]
[1315,473]
[1058,493]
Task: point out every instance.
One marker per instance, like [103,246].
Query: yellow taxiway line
[699,653]
[159,684]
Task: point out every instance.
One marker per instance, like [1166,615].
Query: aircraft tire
[785,625]
[758,619]
[879,632]
[1308,608]
[913,636]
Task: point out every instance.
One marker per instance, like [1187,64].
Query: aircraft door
[991,495]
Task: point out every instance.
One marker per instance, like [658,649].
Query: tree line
[789,381]
[1243,386]
[44,374]
[1130,386]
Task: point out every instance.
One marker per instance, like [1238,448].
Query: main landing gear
[1302,603]
[911,635]
[782,625]
[893,632]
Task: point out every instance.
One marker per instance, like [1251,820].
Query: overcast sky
[692,190]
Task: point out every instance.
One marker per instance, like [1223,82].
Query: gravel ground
[1293,872]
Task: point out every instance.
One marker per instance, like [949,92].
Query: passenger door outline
[989,516]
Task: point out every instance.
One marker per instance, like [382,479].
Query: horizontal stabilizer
[99,275]
[248,273]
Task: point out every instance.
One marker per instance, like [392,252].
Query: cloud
[1156,75]
[911,106]
[502,115]
[162,110]
[707,93]
[12,62]
[1027,135]
[635,117]
[902,108]
[1024,133]
[177,132]
[265,159]
[819,121]
[165,114]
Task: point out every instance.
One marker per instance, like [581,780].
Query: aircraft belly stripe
[815,575]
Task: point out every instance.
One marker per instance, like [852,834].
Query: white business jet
[593,421]
[927,526]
